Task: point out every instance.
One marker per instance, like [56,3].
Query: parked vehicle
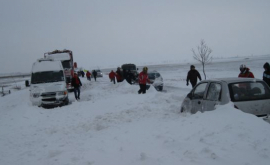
[48,83]
[66,58]
[156,80]
[248,94]
[99,73]
[130,73]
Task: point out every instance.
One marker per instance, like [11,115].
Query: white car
[48,85]
[156,80]
[248,94]
[99,73]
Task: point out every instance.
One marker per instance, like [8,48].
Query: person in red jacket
[88,75]
[143,79]
[112,76]
[244,72]
[76,83]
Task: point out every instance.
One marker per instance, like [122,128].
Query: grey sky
[111,32]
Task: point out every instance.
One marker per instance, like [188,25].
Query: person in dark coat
[82,73]
[245,72]
[95,74]
[266,73]
[76,83]
[192,76]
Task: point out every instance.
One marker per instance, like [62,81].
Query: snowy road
[112,124]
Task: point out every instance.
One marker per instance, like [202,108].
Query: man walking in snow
[88,75]
[192,76]
[76,83]
[95,74]
[143,78]
[112,76]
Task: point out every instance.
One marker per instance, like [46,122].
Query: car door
[251,97]
[213,96]
[197,97]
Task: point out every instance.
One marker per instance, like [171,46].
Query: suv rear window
[248,91]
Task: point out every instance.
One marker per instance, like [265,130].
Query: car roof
[153,71]
[234,79]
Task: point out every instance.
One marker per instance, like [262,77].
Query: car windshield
[151,75]
[46,77]
[129,67]
[66,64]
[248,91]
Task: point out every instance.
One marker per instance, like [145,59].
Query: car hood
[157,81]
[48,87]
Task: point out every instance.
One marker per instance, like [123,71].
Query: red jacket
[143,78]
[112,75]
[118,75]
[246,74]
[88,74]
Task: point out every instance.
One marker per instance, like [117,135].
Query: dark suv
[130,73]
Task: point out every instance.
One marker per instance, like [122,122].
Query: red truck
[66,58]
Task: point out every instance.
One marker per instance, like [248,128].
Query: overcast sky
[107,33]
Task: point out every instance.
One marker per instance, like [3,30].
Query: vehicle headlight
[35,95]
[62,93]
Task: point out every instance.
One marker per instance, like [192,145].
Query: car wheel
[160,88]
[182,110]
[67,101]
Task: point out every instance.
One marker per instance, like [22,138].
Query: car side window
[247,91]
[214,92]
[199,91]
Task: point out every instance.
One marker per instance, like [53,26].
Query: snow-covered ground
[112,124]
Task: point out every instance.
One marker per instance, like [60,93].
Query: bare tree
[203,55]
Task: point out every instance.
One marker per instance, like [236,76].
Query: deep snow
[112,124]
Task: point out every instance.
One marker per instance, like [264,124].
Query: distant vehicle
[66,58]
[248,94]
[156,80]
[99,73]
[130,68]
[48,85]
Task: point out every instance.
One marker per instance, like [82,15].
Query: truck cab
[66,58]
[48,83]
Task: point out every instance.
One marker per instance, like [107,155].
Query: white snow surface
[113,124]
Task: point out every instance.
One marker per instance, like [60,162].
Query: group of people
[120,76]
[192,77]
[116,75]
[245,72]
[143,78]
